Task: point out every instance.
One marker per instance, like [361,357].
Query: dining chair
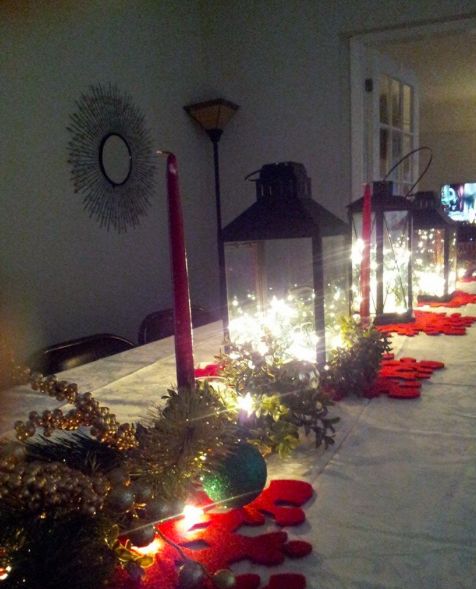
[73,353]
[160,324]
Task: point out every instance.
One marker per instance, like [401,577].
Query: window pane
[407,108]
[384,100]
[384,152]
[408,163]
[396,104]
[396,155]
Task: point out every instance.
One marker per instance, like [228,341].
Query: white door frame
[358,44]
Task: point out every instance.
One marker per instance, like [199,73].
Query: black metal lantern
[287,251]
[390,255]
[434,250]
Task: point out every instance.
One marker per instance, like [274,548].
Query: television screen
[458,201]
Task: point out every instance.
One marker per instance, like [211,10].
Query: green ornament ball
[143,535]
[301,374]
[192,575]
[120,499]
[142,491]
[224,579]
[239,478]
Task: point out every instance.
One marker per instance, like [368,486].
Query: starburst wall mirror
[111,157]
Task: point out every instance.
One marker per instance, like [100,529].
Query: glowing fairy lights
[434,271]
[246,404]
[4,572]
[396,256]
[285,319]
[291,321]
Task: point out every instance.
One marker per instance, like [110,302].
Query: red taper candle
[178,259]
[365,264]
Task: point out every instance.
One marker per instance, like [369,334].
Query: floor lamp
[213,116]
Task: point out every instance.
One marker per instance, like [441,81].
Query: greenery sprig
[286,395]
[353,367]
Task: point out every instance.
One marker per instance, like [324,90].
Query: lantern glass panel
[429,262]
[396,257]
[242,277]
[272,281]
[434,262]
[336,288]
[356,258]
[389,263]
[452,261]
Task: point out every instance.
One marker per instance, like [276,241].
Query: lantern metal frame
[384,201]
[428,215]
[284,209]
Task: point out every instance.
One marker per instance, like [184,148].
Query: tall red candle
[365,264]
[178,259]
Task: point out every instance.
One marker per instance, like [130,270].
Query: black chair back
[160,324]
[76,352]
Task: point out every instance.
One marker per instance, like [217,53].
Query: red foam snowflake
[210,370]
[214,541]
[459,299]
[431,324]
[401,379]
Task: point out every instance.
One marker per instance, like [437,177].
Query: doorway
[411,87]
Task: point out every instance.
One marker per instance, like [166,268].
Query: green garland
[67,502]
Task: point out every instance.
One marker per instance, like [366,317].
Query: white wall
[61,274]
[287,64]
[284,62]
[450,130]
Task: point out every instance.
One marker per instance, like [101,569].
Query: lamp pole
[215,135]
[212,116]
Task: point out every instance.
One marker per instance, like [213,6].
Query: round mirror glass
[115,159]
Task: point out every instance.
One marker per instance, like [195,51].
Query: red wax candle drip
[178,257]
[365,264]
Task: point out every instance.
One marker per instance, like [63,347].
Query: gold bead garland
[50,488]
[87,413]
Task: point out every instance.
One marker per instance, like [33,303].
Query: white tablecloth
[395,503]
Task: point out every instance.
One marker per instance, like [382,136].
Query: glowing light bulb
[245,404]
[152,548]
[337,341]
[191,516]
[357,251]
[4,572]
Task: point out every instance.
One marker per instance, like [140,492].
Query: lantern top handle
[405,157]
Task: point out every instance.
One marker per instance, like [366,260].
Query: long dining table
[394,502]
